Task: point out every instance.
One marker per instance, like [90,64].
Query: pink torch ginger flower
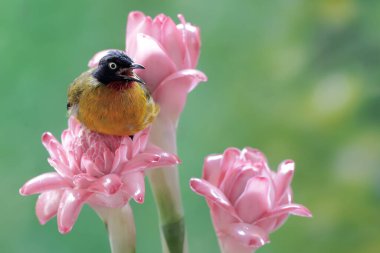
[247,200]
[101,170]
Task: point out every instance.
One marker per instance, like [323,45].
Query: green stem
[121,228]
[165,187]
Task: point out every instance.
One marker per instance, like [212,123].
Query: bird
[111,99]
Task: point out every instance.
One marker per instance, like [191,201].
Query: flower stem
[121,228]
[165,186]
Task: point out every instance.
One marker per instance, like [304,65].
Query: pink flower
[247,200]
[101,170]
[169,53]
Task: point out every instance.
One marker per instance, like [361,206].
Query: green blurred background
[295,78]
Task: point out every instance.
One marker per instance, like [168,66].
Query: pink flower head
[92,168]
[169,53]
[247,200]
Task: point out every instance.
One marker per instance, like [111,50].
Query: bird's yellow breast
[116,110]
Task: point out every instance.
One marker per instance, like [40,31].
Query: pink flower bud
[247,200]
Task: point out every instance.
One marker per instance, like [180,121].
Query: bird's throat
[120,85]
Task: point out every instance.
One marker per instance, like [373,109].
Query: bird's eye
[112,65]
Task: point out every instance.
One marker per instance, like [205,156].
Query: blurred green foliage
[295,78]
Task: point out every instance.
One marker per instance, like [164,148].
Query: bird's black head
[116,66]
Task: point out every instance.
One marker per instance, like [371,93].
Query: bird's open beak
[137,66]
[134,79]
[128,74]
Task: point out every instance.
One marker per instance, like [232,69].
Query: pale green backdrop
[296,78]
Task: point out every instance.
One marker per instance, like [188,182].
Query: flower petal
[139,162]
[276,217]
[294,209]
[254,155]
[230,158]
[137,23]
[283,178]
[134,185]
[248,235]
[173,40]
[108,184]
[119,158]
[255,201]
[69,209]
[192,42]
[165,159]
[83,180]
[211,193]
[62,169]
[90,167]
[51,144]
[47,205]
[153,157]
[258,161]
[212,169]
[108,157]
[153,57]
[236,180]
[140,141]
[171,94]
[74,125]
[44,182]
[55,150]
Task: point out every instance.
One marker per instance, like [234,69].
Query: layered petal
[192,42]
[140,141]
[165,159]
[150,54]
[254,155]
[108,184]
[139,162]
[90,167]
[230,158]
[212,169]
[44,182]
[69,209]
[236,181]
[171,94]
[211,193]
[283,178]
[61,168]
[137,23]
[52,145]
[134,185]
[294,209]
[47,205]
[247,235]
[173,40]
[255,201]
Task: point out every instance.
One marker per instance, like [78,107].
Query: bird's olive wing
[76,89]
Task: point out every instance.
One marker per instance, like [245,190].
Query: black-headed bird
[111,98]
